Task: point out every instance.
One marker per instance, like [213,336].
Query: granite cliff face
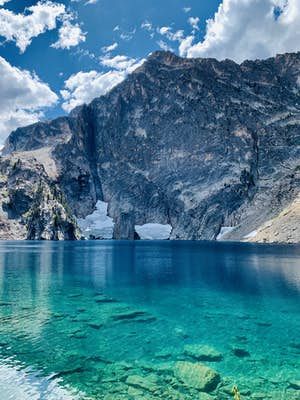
[193,143]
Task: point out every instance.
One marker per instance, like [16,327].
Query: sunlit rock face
[195,144]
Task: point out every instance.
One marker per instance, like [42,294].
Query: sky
[56,55]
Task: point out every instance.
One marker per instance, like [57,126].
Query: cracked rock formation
[196,144]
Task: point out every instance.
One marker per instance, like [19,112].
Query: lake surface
[131,320]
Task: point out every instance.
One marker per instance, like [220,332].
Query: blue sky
[58,54]
[98,21]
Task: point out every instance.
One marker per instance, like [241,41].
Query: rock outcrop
[33,206]
[196,144]
[284,228]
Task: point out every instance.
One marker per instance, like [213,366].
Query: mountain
[210,149]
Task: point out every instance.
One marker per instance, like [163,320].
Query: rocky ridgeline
[193,143]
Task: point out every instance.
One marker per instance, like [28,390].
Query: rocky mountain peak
[194,145]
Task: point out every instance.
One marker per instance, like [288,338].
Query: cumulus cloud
[23,98]
[249,29]
[119,62]
[164,46]
[69,35]
[2,2]
[22,28]
[185,42]
[83,87]
[170,35]
[185,45]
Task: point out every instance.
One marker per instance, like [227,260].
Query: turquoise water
[121,320]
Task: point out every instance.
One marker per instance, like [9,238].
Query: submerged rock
[295,384]
[148,383]
[104,299]
[133,315]
[202,352]
[196,375]
[95,326]
[241,353]
[180,332]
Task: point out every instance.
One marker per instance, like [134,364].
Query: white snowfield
[250,235]
[154,231]
[223,231]
[97,224]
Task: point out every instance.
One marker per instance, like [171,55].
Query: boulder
[196,376]
[202,352]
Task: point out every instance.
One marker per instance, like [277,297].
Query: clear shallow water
[110,320]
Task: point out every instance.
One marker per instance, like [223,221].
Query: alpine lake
[149,320]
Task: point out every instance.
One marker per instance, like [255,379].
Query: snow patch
[224,230]
[98,224]
[154,231]
[250,235]
[140,132]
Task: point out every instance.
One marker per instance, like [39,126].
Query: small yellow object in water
[236,393]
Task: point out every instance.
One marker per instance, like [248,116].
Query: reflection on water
[76,313]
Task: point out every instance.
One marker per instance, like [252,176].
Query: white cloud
[108,49]
[164,30]
[22,28]
[185,45]
[170,35]
[249,29]
[23,97]
[83,87]
[127,35]
[185,42]
[164,46]
[194,22]
[187,9]
[147,26]
[69,35]
[2,2]
[118,62]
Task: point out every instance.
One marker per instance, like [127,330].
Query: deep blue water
[79,320]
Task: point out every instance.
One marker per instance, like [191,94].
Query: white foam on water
[19,384]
